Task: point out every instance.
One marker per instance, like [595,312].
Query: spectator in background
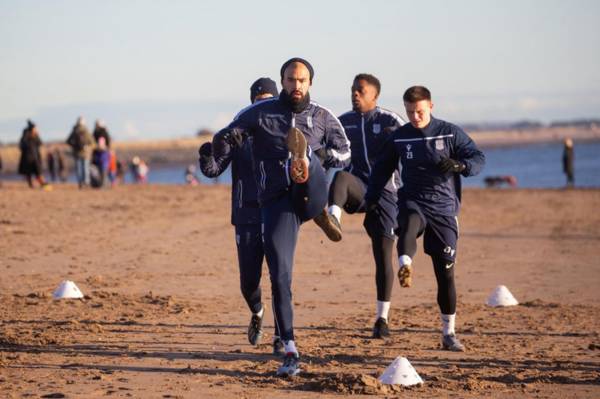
[190,176]
[568,160]
[100,131]
[30,163]
[56,164]
[139,170]
[81,142]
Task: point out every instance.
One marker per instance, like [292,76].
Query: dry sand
[163,316]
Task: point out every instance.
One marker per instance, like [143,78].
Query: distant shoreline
[184,150]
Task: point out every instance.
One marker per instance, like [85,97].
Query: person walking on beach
[294,139]
[368,127]
[568,161]
[245,213]
[434,154]
[30,162]
[56,164]
[80,140]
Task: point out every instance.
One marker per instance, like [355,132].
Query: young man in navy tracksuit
[293,140]
[434,154]
[368,127]
[245,213]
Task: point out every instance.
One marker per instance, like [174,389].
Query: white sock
[383,308]
[261,312]
[336,211]
[290,347]
[448,323]
[405,260]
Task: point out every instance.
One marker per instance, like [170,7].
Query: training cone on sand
[67,289]
[400,372]
[501,296]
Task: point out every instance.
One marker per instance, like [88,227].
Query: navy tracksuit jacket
[245,213]
[420,151]
[285,206]
[368,132]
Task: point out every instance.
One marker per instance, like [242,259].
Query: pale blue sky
[166,68]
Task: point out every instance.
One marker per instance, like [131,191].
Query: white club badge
[439,144]
[376,128]
[309,121]
[409,154]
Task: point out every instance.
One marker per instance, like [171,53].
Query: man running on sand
[293,140]
[434,154]
[368,127]
[245,213]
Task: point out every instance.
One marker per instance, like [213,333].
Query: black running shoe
[278,348]
[290,366]
[255,332]
[451,343]
[381,329]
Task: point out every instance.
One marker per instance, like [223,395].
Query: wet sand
[163,316]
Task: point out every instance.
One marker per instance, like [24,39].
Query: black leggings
[346,191]
[383,252]
[410,227]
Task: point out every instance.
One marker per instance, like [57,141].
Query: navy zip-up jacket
[420,151]
[244,191]
[368,133]
[268,122]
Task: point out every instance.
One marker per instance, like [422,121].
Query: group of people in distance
[405,177]
[95,161]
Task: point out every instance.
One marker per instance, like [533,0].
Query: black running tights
[383,252]
[346,191]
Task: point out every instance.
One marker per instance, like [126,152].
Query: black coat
[31,159]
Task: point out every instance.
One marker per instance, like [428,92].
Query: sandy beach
[162,315]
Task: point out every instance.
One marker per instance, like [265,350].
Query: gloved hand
[233,138]
[205,150]
[451,165]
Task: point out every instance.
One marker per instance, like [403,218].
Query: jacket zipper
[362,127]
[240,198]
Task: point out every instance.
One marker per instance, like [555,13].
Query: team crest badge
[309,121]
[376,128]
[439,144]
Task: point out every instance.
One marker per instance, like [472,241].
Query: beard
[297,104]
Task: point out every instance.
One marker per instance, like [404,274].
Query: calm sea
[534,166]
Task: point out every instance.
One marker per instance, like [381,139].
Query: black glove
[450,165]
[205,150]
[233,138]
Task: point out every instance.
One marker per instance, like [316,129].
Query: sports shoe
[329,224]
[296,144]
[255,332]
[290,366]
[381,329]
[278,348]
[451,343]
[405,276]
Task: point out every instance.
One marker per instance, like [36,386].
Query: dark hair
[370,79]
[416,93]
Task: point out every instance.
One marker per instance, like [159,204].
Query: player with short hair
[368,127]
[434,154]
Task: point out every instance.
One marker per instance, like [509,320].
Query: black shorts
[382,221]
[440,234]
